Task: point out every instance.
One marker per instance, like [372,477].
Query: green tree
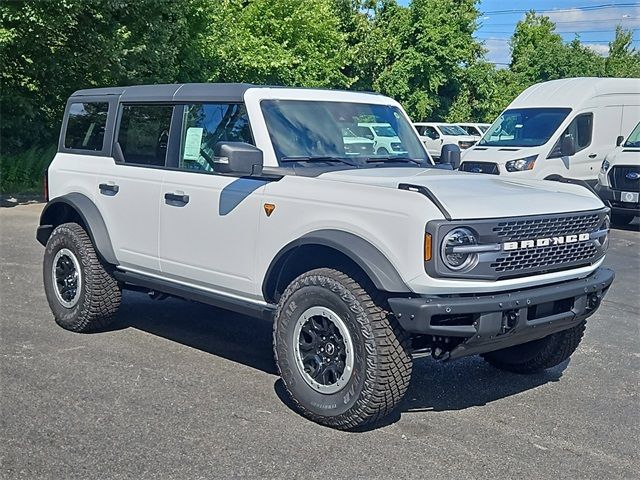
[49,49]
[623,60]
[282,42]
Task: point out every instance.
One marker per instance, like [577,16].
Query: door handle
[108,188]
[593,155]
[176,199]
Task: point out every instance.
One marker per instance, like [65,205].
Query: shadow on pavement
[219,332]
[435,386]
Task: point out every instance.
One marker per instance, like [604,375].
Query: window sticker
[192,143]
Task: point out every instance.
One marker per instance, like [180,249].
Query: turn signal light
[427,247]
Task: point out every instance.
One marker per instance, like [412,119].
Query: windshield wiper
[394,159]
[318,158]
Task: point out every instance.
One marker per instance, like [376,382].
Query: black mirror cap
[237,158]
[450,154]
[619,140]
[568,146]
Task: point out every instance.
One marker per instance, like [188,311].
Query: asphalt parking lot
[182,390]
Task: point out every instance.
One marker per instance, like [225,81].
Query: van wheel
[382,151]
[621,219]
[83,296]
[343,358]
[538,355]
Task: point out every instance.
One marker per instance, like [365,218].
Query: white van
[619,179]
[562,127]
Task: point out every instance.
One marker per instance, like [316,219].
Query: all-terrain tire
[382,356]
[621,219]
[538,355]
[98,295]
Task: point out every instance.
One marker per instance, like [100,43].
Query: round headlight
[454,255]
[605,166]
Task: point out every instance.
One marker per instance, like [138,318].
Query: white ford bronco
[249,198]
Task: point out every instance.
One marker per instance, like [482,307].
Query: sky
[594,21]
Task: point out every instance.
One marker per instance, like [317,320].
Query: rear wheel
[344,360]
[82,294]
[621,219]
[538,355]
[382,151]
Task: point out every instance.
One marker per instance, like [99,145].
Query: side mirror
[619,140]
[237,158]
[450,154]
[567,146]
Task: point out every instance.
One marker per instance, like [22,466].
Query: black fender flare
[90,216]
[374,263]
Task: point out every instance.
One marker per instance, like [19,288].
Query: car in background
[558,129]
[619,179]
[355,144]
[385,138]
[474,129]
[436,135]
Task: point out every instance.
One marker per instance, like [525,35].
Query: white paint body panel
[434,146]
[615,104]
[222,240]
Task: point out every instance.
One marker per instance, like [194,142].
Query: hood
[624,156]
[499,155]
[468,195]
[463,138]
[357,140]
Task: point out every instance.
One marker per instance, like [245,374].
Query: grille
[542,257]
[515,230]
[619,181]
[480,167]
[360,148]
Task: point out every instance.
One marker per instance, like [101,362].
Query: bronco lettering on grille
[545,242]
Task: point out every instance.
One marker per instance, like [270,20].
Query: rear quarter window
[86,124]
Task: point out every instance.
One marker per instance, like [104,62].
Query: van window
[207,124]
[85,126]
[581,129]
[144,134]
[524,127]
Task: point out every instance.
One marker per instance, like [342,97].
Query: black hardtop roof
[227,92]
[182,92]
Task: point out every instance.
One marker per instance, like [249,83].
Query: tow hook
[509,320]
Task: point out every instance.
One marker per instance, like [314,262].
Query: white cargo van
[562,127]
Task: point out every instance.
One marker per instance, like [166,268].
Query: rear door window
[144,134]
[86,123]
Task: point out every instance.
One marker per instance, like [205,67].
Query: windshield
[634,138]
[452,130]
[304,129]
[524,127]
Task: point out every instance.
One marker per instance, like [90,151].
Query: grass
[22,173]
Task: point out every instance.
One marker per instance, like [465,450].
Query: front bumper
[494,322]
[613,199]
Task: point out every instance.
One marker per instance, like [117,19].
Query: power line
[585,8]
[566,31]
[500,39]
[602,20]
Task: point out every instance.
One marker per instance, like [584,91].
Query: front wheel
[344,360]
[538,355]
